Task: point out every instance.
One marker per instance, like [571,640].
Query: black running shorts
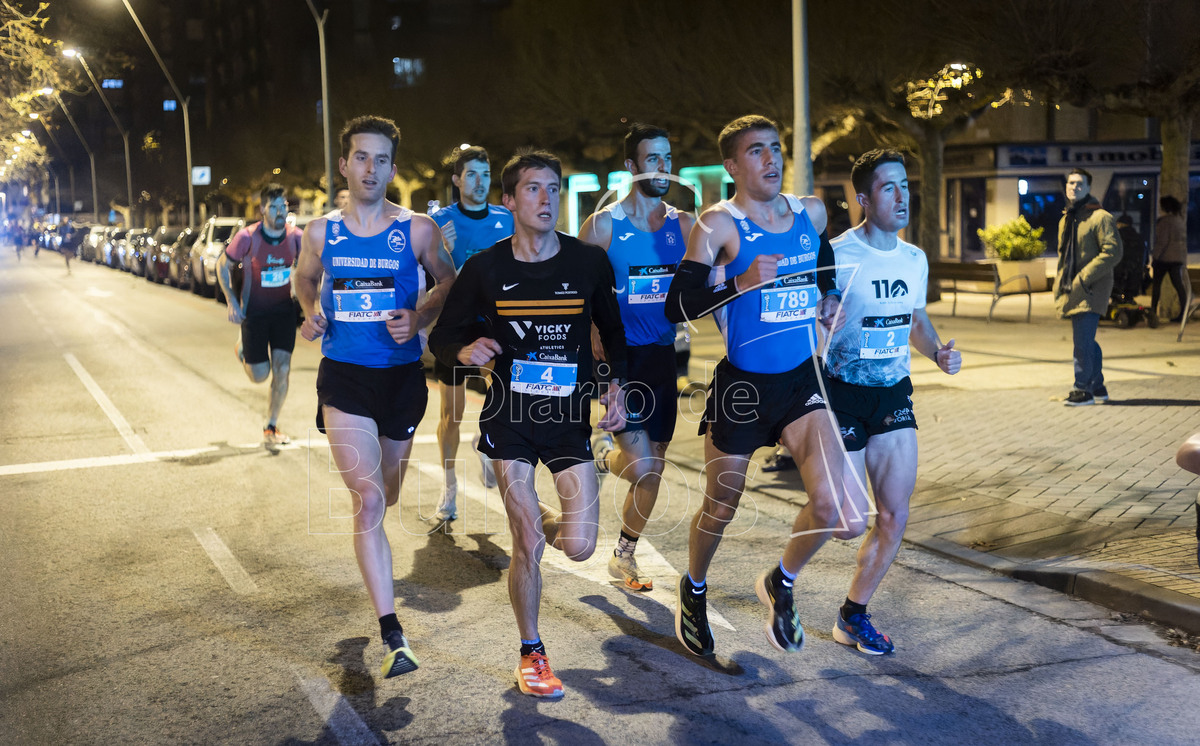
[275,330]
[394,398]
[747,410]
[559,442]
[651,398]
[863,411]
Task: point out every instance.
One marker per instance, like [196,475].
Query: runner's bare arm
[924,338]
[597,229]
[308,279]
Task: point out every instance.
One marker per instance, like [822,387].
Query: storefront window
[1042,202]
[1133,195]
[1193,212]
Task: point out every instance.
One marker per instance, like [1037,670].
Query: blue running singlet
[364,279]
[644,264]
[771,329]
[467,235]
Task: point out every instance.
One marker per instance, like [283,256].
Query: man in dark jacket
[1089,248]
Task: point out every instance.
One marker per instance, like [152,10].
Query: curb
[1108,589]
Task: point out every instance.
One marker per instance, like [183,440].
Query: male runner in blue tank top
[882,280]
[527,305]
[762,250]
[645,239]
[468,227]
[368,265]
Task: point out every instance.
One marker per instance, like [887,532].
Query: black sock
[537,647]
[389,623]
[850,608]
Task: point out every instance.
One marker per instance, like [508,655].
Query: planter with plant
[1017,248]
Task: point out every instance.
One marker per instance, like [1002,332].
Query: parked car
[89,247]
[133,251]
[107,253]
[156,255]
[214,237]
[179,263]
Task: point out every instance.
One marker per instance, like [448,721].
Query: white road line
[348,728]
[132,439]
[594,568]
[237,577]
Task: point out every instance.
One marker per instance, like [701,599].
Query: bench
[964,276]
[1191,304]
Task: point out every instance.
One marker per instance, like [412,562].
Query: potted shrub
[1017,248]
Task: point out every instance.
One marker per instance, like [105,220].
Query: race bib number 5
[366,299]
[544,379]
[885,336]
[649,284]
[791,298]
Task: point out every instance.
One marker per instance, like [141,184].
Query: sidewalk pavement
[1086,500]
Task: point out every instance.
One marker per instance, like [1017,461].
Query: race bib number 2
[366,299]
[276,277]
[885,337]
[544,379]
[791,298]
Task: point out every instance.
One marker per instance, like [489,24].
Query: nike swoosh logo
[619,290]
[753,238]
[335,241]
[624,237]
[509,287]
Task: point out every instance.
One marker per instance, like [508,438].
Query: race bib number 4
[649,284]
[885,336]
[791,298]
[366,299]
[544,379]
[276,277]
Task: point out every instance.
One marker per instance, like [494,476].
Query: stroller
[1129,280]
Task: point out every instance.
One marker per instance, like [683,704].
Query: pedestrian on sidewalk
[1169,256]
[1089,249]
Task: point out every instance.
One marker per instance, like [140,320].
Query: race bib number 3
[543,379]
[885,336]
[791,298]
[276,277]
[367,299]
[649,284]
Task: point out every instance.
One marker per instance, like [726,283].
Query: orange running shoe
[535,677]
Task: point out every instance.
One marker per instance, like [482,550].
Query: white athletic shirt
[880,289]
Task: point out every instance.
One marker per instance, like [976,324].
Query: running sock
[786,578]
[625,545]
[389,623]
[697,588]
[532,646]
[850,608]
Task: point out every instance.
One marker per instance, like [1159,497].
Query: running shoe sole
[399,661]
[553,694]
[632,584]
[761,589]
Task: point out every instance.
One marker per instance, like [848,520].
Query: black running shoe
[398,659]
[691,619]
[783,623]
[1078,398]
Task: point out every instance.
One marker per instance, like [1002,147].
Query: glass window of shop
[1133,195]
[1042,201]
[837,208]
[1193,212]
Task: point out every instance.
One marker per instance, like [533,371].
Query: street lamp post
[324,99]
[91,156]
[187,126]
[124,134]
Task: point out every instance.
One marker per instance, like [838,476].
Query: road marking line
[595,568]
[132,439]
[348,728]
[233,572]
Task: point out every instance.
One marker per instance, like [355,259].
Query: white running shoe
[448,507]
[624,567]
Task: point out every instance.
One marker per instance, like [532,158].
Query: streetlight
[124,135]
[91,155]
[187,126]
[324,97]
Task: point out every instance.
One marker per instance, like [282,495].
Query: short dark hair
[864,168]
[1170,205]
[270,192]
[370,124]
[639,132]
[1085,174]
[728,139]
[523,161]
[473,153]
